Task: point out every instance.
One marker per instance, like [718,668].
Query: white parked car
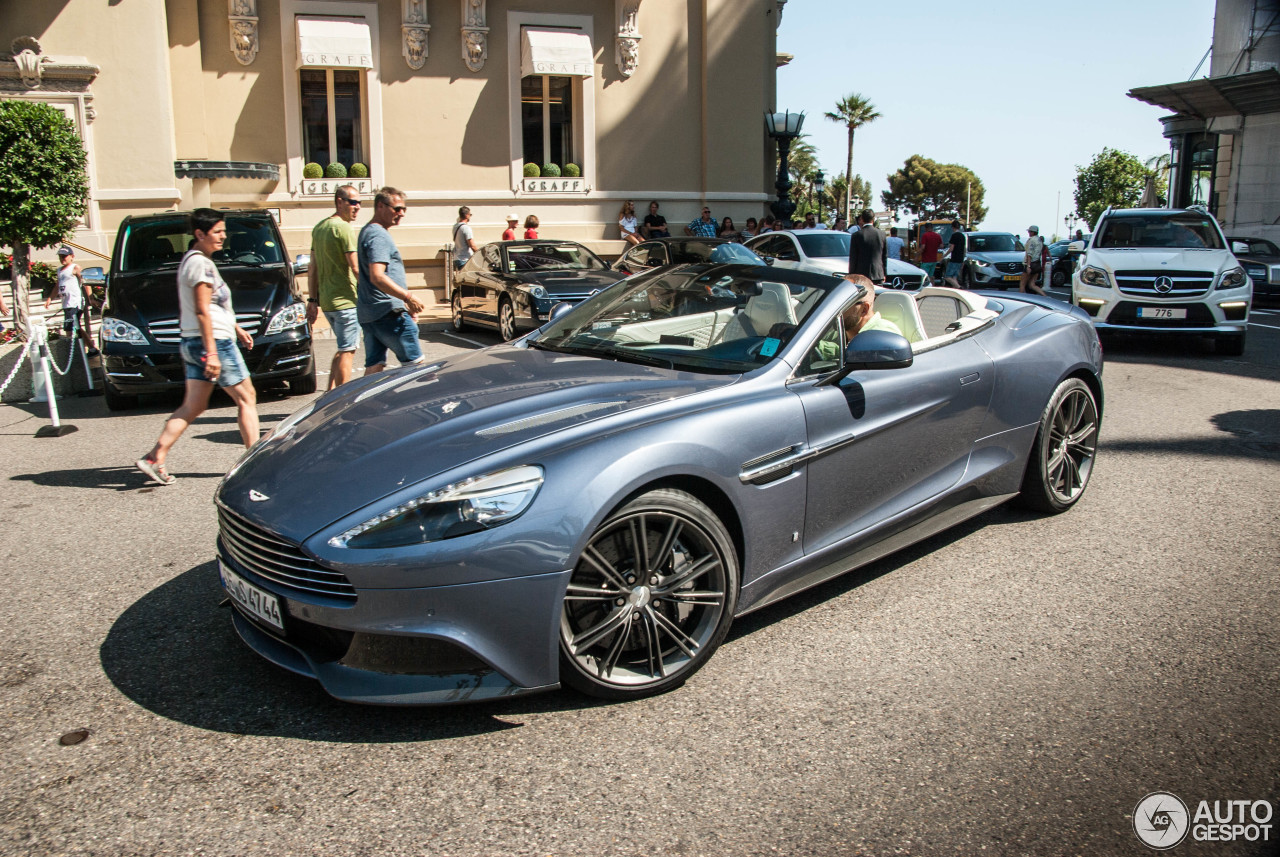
[1166,271]
[826,251]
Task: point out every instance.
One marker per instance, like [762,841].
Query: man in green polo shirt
[332,280]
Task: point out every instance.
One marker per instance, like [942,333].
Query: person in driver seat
[857,317]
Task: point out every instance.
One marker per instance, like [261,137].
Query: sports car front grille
[573,297]
[1009,267]
[168,331]
[1173,284]
[277,560]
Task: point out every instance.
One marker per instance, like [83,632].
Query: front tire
[1063,453]
[506,320]
[1229,345]
[117,401]
[650,599]
[304,385]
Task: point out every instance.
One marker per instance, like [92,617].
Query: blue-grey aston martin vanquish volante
[593,504]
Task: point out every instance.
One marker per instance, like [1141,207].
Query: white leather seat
[900,308]
[762,312]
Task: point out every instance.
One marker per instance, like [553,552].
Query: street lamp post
[1070,220]
[819,185]
[783,127]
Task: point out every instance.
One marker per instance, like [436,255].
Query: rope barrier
[26,349]
[71,354]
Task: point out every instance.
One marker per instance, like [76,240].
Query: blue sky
[1019,93]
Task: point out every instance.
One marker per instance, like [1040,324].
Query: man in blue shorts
[956,260]
[332,280]
[386,310]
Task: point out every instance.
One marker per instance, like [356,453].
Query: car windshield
[1186,231]
[825,244]
[162,242]
[551,256]
[721,319]
[997,243]
[1253,247]
[734,254]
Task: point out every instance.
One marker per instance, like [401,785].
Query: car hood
[379,434]
[153,295]
[1152,259]
[572,281]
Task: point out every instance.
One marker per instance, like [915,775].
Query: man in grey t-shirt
[385,308]
[464,240]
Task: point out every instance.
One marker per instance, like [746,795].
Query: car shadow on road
[175,653]
[124,478]
[1245,434]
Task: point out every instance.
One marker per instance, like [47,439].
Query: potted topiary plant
[572,171]
[551,171]
[313,171]
[335,171]
[531,171]
[358,171]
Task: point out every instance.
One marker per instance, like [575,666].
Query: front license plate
[260,603]
[1161,312]
[1012,278]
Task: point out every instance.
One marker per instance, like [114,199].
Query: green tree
[853,111]
[46,188]
[1112,179]
[928,189]
[842,195]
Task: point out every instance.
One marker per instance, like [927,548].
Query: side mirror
[768,260]
[873,349]
[94,276]
[1238,248]
[1075,247]
[301,263]
[559,310]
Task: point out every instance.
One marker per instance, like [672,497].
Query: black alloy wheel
[506,319]
[455,306]
[650,599]
[1059,278]
[1063,453]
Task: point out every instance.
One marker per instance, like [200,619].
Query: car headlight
[1255,272]
[981,263]
[115,330]
[294,315]
[1092,276]
[455,510]
[538,292]
[1234,279]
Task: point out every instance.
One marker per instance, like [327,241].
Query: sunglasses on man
[350,201]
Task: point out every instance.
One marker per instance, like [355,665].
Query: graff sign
[327,187]
[544,185]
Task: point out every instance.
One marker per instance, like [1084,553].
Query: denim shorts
[233,369]
[346,328]
[395,330]
[70,320]
[953,269]
[928,267]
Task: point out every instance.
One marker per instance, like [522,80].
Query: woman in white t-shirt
[627,223]
[209,345]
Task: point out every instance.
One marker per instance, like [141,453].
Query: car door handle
[969,379]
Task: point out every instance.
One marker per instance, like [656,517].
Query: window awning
[559,52]
[1232,95]
[334,43]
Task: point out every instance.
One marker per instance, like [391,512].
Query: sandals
[155,471]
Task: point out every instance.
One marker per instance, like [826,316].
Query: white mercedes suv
[1163,270]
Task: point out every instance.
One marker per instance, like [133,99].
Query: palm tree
[854,111]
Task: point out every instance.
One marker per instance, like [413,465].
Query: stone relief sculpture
[475,34]
[26,55]
[242,19]
[627,48]
[414,28]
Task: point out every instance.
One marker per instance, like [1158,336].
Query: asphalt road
[1014,686]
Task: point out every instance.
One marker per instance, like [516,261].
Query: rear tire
[1230,345]
[455,306]
[1062,455]
[1059,279]
[117,401]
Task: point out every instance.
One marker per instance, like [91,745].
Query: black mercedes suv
[140,333]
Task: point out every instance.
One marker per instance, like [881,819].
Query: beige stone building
[183,103]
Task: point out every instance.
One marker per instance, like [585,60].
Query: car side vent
[545,419]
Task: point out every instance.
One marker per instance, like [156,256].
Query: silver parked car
[593,504]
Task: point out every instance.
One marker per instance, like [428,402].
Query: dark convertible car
[512,285]
[658,252]
[594,504]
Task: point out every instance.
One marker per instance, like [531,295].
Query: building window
[546,112]
[333,128]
